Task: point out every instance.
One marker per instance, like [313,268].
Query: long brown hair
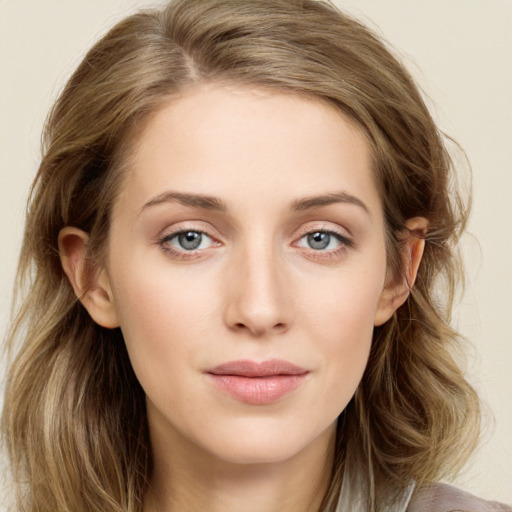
[74,418]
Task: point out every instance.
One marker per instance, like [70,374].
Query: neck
[188,480]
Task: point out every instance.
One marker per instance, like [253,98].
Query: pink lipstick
[258,383]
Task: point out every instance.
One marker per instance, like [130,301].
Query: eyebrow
[326,200]
[192,200]
[215,204]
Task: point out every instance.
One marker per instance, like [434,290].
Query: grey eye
[319,240]
[189,240]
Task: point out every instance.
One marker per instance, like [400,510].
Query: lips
[258,383]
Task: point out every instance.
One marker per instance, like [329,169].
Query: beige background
[461,53]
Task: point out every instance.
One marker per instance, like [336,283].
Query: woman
[250,202]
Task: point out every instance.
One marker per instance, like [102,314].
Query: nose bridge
[258,298]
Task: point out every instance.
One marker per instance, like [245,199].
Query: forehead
[249,143]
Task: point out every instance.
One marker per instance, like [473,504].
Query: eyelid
[338,236]
[170,232]
[189,225]
[343,235]
[172,236]
[324,227]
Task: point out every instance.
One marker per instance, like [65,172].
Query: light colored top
[351,501]
[446,498]
[436,497]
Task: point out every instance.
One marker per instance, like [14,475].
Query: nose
[258,295]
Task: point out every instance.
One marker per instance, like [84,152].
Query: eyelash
[344,241]
[183,254]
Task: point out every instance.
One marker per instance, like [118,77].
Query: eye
[189,240]
[324,241]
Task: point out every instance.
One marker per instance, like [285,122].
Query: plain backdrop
[460,51]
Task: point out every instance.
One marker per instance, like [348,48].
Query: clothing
[432,498]
[352,500]
[446,498]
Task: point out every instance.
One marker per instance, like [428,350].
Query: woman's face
[246,262]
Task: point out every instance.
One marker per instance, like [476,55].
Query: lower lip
[258,390]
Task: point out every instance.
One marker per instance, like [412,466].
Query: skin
[255,289]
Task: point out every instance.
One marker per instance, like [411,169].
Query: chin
[265,444]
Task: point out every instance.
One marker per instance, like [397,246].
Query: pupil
[319,240]
[190,240]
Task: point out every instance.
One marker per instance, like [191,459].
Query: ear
[91,285]
[397,290]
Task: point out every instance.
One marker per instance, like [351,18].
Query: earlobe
[395,293]
[90,284]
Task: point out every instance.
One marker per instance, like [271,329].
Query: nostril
[242,326]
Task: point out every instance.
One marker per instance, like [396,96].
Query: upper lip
[248,368]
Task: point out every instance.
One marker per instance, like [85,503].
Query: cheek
[342,323]
[344,308]
[163,317]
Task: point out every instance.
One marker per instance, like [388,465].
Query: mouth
[258,383]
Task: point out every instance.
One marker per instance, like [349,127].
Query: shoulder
[446,498]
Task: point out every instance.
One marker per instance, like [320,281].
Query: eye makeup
[190,242]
